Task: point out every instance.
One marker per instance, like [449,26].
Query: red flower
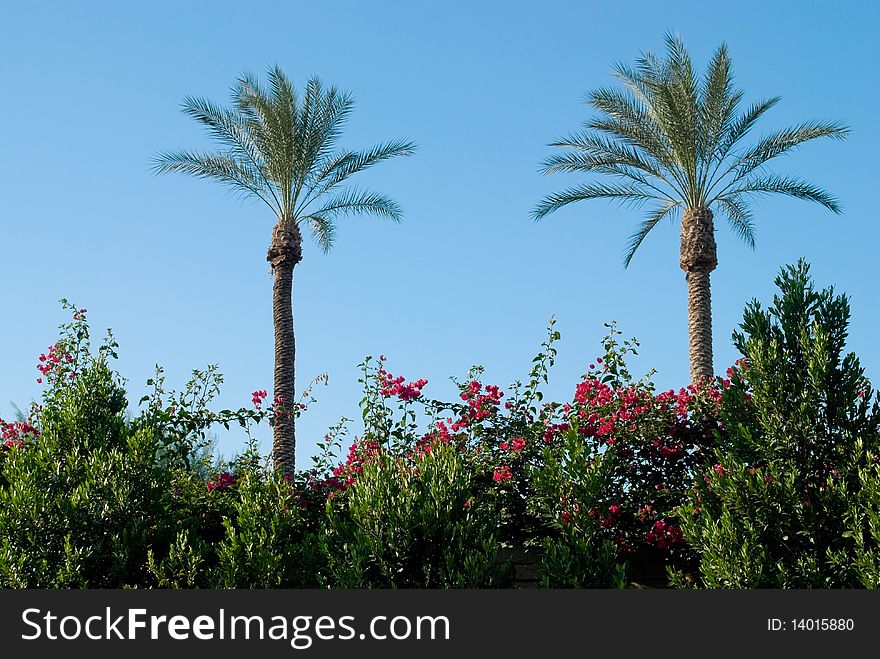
[396,386]
[258,397]
[502,474]
[222,482]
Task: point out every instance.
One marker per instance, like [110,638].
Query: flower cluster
[344,475]
[13,435]
[551,430]
[397,386]
[603,410]
[502,474]
[480,405]
[258,397]
[650,443]
[663,535]
[223,482]
[52,361]
[515,444]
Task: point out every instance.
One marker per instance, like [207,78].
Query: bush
[82,495]
[768,477]
[617,464]
[576,552]
[791,498]
[417,521]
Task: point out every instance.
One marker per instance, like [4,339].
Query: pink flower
[519,443]
[397,386]
[502,474]
[222,482]
[258,397]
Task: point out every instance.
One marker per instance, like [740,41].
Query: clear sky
[176,266]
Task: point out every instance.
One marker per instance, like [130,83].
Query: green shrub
[789,500]
[576,553]
[82,495]
[420,522]
[766,478]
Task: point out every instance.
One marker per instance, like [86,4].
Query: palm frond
[625,194]
[322,116]
[359,202]
[741,127]
[600,156]
[785,140]
[285,127]
[323,231]
[273,130]
[639,81]
[680,87]
[736,129]
[717,106]
[217,167]
[226,127]
[595,150]
[740,218]
[337,106]
[334,170]
[668,91]
[785,185]
[635,240]
[624,118]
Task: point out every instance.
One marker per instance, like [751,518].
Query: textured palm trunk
[698,259]
[284,253]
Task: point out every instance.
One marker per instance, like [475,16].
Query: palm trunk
[284,253]
[698,259]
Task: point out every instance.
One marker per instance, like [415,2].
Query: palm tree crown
[282,149]
[676,142]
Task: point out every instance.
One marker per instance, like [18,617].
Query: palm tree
[676,142]
[280,146]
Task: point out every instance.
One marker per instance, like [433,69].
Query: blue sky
[177,266]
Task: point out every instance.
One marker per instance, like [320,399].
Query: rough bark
[698,259]
[284,253]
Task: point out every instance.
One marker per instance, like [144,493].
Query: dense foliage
[792,498]
[767,477]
